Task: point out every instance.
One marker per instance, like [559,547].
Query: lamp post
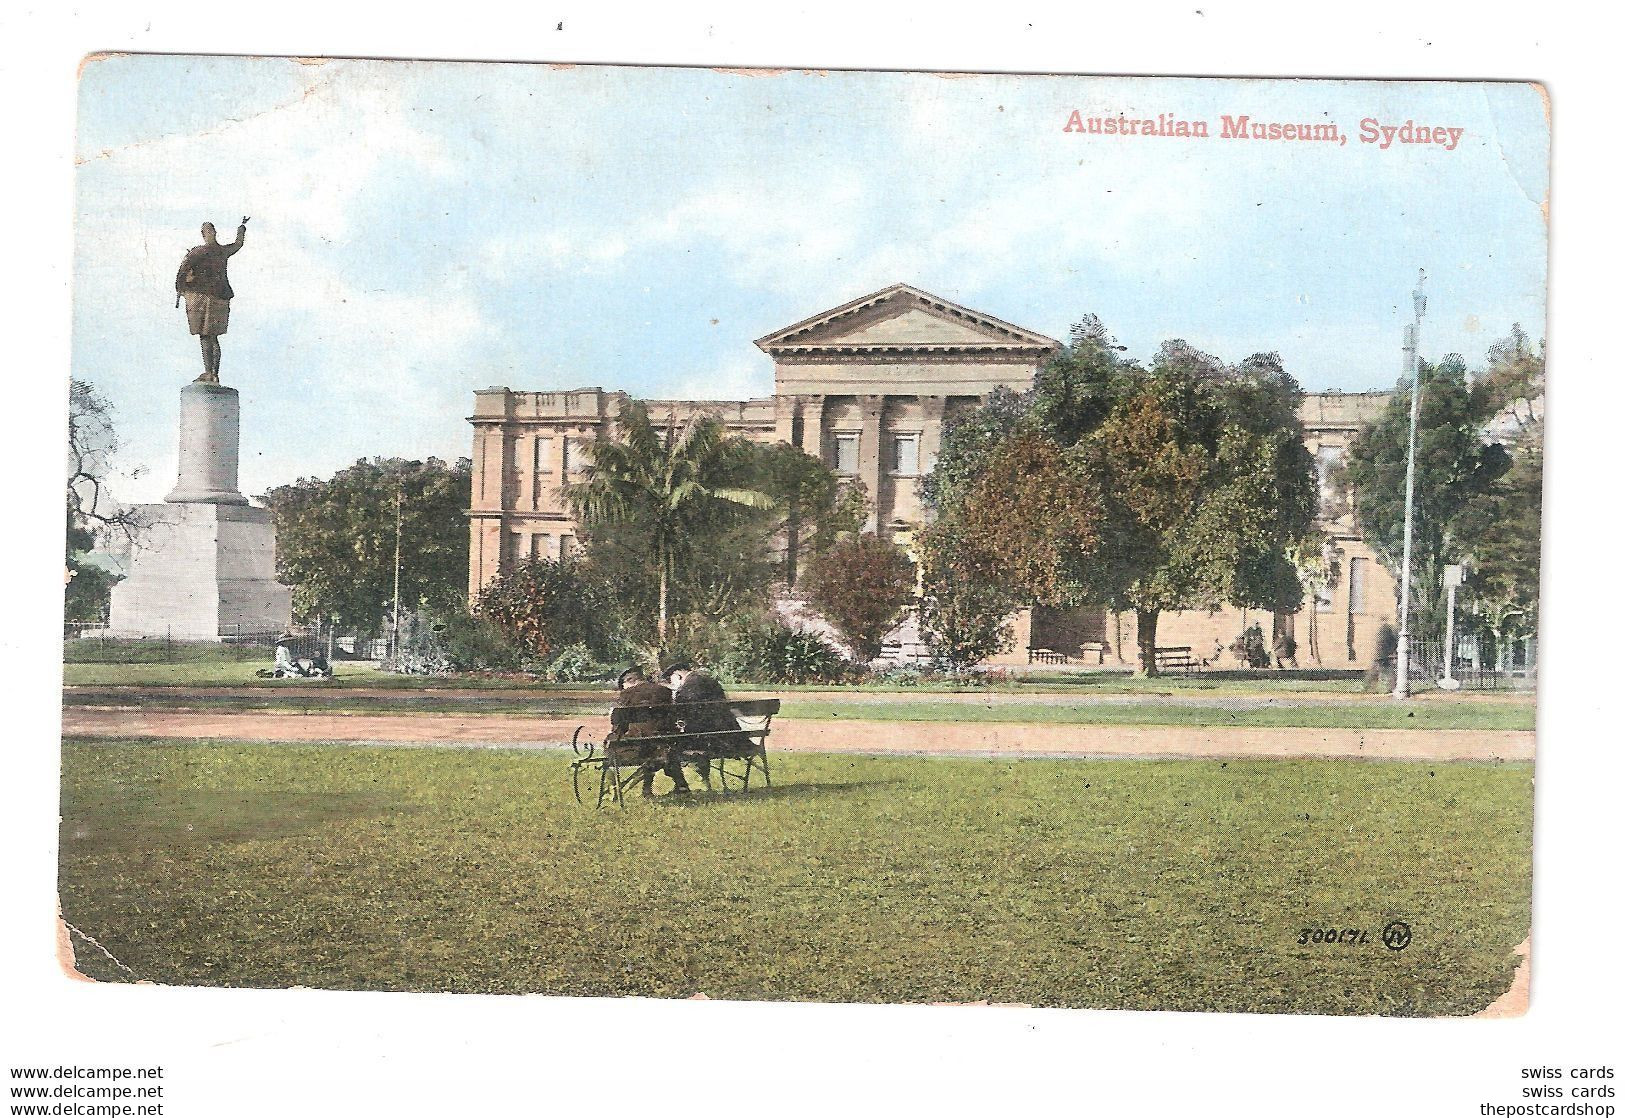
[1402,673]
[1454,575]
[395,620]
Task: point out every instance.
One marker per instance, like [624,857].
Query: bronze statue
[202,282]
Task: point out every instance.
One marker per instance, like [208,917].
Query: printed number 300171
[1334,935]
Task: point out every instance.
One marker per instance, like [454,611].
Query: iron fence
[1427,668]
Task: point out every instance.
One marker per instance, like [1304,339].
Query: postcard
[788,535]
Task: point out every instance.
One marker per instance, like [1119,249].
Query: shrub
[964,618]
[863,586]
[1250,648]
[773,653]
[577,664]
[543,606]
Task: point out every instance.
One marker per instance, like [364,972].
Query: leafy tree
[811,509]
[546,606]
[1500,528]
[1171,488]
[94,516]
[1319,570]
[1209,488]
[664,487]
[1454,467]
[862,586]
[964,615]
[1030,521]
[1515,381]
[336,539]
[967,441]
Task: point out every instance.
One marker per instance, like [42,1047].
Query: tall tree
[336,539]
[1174,487]
[94,516]
[1455,465]
[662,484]
[1209,490]
[1500,528]
[964,614]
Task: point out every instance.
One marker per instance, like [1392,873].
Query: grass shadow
[777,792]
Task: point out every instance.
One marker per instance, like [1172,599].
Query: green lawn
[1494,715]
[1146,885]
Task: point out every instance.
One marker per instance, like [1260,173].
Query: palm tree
[659,481]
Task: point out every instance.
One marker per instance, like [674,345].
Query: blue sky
[422,230]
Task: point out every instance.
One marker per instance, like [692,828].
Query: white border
[252,1053]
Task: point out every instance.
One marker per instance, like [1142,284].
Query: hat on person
[620,680]
[673,669]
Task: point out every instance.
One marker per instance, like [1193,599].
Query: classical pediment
[902,319]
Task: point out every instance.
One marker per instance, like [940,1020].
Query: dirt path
[316,695]
[829,736]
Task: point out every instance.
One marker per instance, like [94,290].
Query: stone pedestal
[208,465]
[206,569]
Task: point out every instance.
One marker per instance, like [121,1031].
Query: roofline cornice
[1020,336]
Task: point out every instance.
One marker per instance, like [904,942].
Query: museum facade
[867,387]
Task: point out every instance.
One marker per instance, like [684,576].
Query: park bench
[1178,658]
[1089,649]
[618,760]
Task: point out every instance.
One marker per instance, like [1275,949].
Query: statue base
[206,569]
[203,572]
[209,423]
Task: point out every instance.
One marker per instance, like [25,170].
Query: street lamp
[1454,575]
[1402,674]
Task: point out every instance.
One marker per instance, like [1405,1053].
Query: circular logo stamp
[1397,935]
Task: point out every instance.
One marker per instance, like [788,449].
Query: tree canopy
[1177,486]
[336,538]
[94,516]
[863,586]
[1456,466]
[1480,453]
[657,505]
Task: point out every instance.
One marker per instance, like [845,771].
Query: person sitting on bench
[696,685]
[633,690]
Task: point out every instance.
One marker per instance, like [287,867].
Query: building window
[906,455]
[575,455]
[542,459]
[541,546]
[567,547]
[515,549]
[1333,499]
[1357,572]
[846,452]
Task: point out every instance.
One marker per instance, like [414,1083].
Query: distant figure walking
[202,282]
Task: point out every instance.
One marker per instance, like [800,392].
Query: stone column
[784,418]
[932,408]
[869,461]
[208,447]
[812,426]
